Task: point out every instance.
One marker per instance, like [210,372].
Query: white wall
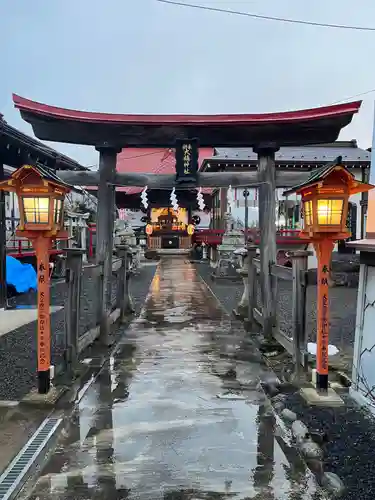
[364,348]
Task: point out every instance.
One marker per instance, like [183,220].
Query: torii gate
[110,133]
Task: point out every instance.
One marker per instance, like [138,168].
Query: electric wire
[353,97]
[266,18]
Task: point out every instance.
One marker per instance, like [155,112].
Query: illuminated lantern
[190,229]
[40,196]
[325,197]
[149,229]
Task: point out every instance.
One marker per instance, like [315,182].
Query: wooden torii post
[109,133]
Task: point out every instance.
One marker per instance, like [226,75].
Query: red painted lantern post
[325,198]
[41,202]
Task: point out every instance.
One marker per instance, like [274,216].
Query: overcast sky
[141,56]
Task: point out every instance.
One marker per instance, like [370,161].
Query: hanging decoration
[144,197]
[200,200]
[230,199]
[174,201]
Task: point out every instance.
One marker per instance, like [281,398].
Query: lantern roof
[322,173]
[42,171]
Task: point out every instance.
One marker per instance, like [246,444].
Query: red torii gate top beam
[291,128]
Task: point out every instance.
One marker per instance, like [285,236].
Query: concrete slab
[11,319]
[43,400]
[314,398]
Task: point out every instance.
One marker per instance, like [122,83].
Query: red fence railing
[21,247]
[215,236]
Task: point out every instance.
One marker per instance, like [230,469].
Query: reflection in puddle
[176,413]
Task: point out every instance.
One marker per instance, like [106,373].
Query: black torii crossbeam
[163,181]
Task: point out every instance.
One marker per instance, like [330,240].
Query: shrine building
[167,228]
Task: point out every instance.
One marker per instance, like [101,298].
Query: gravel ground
[18,348]
[349,452]
[343,302]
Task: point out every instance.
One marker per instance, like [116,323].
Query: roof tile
[320,153]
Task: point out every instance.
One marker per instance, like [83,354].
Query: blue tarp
[21,276]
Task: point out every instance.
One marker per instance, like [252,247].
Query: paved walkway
[177,412]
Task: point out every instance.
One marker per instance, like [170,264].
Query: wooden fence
[296,276]
[82,305]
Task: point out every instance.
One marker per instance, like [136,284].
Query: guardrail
[296,276]
[215,236]
[84,296]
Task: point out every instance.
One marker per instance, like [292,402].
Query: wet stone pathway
[177,413]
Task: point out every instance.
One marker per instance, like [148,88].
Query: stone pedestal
[363,373]
[233,239]
[125,236]
[79,221]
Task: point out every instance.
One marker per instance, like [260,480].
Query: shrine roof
[17,148]
[312,155]
[289,128]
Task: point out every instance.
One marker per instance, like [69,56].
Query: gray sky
[141,56]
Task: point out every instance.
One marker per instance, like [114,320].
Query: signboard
[187,160]
[167,214]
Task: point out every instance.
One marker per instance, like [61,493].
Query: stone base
[240,311]
[314,398]
[35,399]
[251,326]
[268,346]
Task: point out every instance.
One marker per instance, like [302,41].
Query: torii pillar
[267,225]
[104,233]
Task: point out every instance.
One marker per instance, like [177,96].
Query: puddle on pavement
[152,425]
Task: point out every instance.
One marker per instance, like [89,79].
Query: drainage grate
[13,478]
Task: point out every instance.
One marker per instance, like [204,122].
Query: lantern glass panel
[330,212]
[57,212]
[36,210]
[308,213]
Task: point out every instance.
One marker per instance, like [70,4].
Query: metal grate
[13,478]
